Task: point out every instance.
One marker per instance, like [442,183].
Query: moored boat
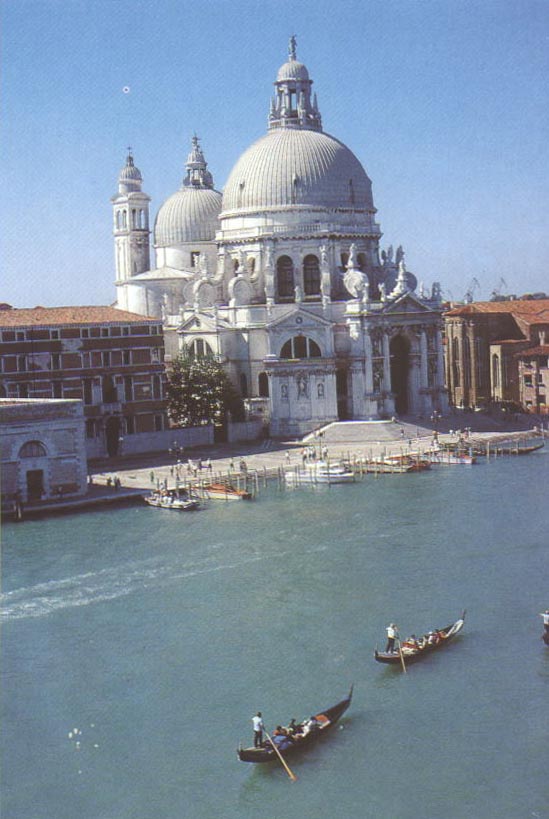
[317,726]
[319,472]
[179,499]
[451,458]
[414,648]
[224,491]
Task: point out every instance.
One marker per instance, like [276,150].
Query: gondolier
[392,631]
[258,729]
[545,615]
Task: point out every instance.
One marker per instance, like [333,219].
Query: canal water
[138,643]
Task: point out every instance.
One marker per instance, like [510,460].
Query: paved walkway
[372,439]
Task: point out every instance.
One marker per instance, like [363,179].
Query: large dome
[291,167]
[189,215]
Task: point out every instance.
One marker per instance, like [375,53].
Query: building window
[84,332]
[195,258]
[285,278]
[157,386]
[128,388]
[109,390]
[21,363]
[311,275]
[300,347]
[495,371]
[528,380]
[455,362]
[127,357]
[106,358]
[54,334]
[90,428]
[263,385]
[479,361]
[105,332]
[56,361]
[199,348]
[22,390]
[88,391]
[57,389]
[158,423]
[130,424]
[466,362]
[243,385]
[33,449]
[125,331]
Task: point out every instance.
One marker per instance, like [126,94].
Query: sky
[444,102]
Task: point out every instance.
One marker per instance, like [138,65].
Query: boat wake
[108,584]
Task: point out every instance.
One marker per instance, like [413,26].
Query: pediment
[407,303]
[298,318]
[202,323]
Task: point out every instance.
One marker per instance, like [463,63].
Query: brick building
[110,359]
[497,353]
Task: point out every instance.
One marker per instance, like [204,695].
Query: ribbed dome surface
[292,70]
[297,167]
[130,172]
[190,215]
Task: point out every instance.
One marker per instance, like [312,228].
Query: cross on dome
[292,47]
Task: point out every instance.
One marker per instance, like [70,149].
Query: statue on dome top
[292,48]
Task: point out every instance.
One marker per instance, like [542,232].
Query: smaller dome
[129,178]
[292,70]
[189,215]
[129,171]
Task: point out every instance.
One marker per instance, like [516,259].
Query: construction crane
[496,292]
[470,292]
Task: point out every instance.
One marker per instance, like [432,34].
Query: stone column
[424,380]
[369,375]
[386,363]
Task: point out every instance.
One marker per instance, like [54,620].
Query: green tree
[200,392]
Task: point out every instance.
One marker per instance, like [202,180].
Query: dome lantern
[197,175]
[291,107]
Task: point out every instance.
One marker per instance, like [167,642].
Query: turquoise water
[158,636]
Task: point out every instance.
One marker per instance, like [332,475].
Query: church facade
[282,276]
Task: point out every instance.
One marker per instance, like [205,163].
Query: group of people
[282,737]
[413,642]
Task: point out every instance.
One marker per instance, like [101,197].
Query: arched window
[495,371]
[243,385]
[199,348]
[311,275]
[479,361]
[285,278]
[300,347]
[263,385]
[118,219]
[134,220]
[124,219]
[33,449]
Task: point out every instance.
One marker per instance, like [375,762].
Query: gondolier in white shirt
[392,632]
[545,615]
[258,729]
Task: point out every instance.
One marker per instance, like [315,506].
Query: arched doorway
[399,350]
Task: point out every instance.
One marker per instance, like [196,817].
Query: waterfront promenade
[353,440]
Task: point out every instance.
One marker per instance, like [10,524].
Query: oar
[292,776]
[401,655]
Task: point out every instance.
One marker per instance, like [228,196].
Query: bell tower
[130,226]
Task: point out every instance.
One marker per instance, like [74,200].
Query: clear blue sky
[445,103]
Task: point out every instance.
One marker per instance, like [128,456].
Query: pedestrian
[287,457]
[231,465]
[209,464]
[152,476]
[258,729]
[392,632]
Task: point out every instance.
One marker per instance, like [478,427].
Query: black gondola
[324,721]
[413,650]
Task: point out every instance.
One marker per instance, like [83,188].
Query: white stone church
[281,276]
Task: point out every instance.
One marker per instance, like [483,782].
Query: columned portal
[400,368]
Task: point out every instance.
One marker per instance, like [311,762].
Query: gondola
[412,651]
[324,721]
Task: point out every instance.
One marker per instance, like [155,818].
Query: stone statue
[323,256]
[399,254]
[390,254]
[292,47]
[301,387]
[382,291]
[298,293]
[353,261]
